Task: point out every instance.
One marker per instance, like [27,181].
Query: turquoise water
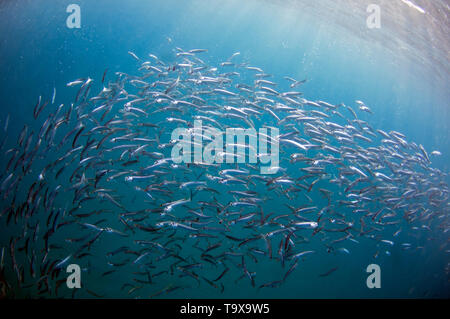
[39,53]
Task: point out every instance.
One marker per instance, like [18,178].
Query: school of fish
[97,172]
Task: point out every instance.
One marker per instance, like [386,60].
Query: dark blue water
[38,53]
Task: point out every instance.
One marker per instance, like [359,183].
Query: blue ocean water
[38,53]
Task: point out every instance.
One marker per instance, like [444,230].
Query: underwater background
[401,71]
